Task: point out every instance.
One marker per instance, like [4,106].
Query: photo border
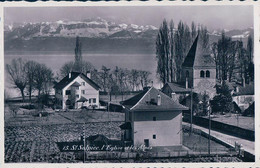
[256,6]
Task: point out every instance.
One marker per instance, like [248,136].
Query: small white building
[244,96]
[77,90]
[152,118]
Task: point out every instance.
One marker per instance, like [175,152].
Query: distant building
[175,90]
[199,69]
[77,90]
[244,96]
[153,119]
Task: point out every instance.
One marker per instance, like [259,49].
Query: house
[199,69]
[244,96]
[152,118]
[77,90]
[175,90]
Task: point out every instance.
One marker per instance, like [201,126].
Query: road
[248,146]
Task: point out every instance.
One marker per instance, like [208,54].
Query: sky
[214,17]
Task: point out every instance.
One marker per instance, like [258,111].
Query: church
[199,69]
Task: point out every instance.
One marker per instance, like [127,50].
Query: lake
[55,60]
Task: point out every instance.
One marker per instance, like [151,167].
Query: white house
[244,96]
[77,90]
[153,119]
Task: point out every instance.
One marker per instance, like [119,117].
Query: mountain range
[97,36]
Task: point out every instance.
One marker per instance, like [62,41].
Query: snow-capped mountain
[97,35]
[92,28]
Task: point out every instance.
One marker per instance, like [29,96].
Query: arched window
[207,74]
[202,74]
[187,74]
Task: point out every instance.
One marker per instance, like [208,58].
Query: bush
[28,107]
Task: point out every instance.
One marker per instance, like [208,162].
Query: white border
[136,3]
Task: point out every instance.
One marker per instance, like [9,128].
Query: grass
[239,121]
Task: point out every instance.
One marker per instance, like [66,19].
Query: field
[239,121]
[33,139]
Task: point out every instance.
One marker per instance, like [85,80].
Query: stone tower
[199,69]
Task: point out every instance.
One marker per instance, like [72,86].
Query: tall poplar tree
[78,56]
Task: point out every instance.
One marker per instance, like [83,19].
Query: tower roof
[198,56]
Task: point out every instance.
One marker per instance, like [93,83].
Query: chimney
[69,75]
[89,74]
[237,89]
[159,100]
[174,96]
[186,83]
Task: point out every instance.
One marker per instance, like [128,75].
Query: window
[154,136]
[207,74]
[89,101]
[187,74]
[77,96]
[67,92]
[83,91]
[77,88]
[83,83]
[202,74]
[154,118]
[94,100]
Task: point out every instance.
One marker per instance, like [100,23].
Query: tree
[78,56]
[134,79]
[163,52]
[69,67]
[144,78]
[193,31]
[43,78]
[179,49]
[30,70]
[17,72]
[105,75]
[172,53]
[223,101]
[224,52]
[250,51]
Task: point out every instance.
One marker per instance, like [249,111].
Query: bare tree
[105,75]
[17,72]
[144,78]
[30,69]
[43,77]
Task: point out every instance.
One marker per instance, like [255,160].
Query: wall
[167,128]
[206,84]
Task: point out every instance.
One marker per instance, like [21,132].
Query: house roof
[176,88]
[198,56]
[146,101]
[82,99]
[66,80]
[247,90]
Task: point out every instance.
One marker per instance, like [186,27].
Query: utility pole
[209,110]
[191,110]
[84,141]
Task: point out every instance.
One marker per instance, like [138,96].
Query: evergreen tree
[223,101]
